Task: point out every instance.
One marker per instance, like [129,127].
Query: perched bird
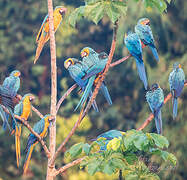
[8,96]
[108,136]
[144,32]
[74,66]
[41,127]
[43,34]
[176,82]
[23,109]
[133,44]
[155,99]
[93,65]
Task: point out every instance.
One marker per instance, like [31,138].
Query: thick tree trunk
[52,135]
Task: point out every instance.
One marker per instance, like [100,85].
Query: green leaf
[108,168]
[75,150]
[169,1]
[93,166]
[121,6]
[159,4]
[131,158]
[140,141]
[169,157]
[131,176]
[112,12]
[159,140]
[94,12]
[86,148]
[75,15]
[118,163]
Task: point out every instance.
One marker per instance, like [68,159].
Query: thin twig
[64,96]
[37,112]
[151,116]
[67,166]
[120,61]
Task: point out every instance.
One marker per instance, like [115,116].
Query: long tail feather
[106,94]
[17,145]
[28,157]
[155,53]
[175,103]
[4,118]
[40,47]
[158,121]
[141,72]
[94,104]
[86,92]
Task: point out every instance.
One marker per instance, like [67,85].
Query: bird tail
[86,92]
[175,103]
[17,142]
[41,43]
[28,157]
[106,94]
[155,53]
[5,118]
[94,104]
[158,121]
[141,72]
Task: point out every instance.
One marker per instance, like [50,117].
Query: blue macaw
[133,44]
[8,93]
[23,109]
[41,127]
[144,32]
[93,64]
[74,66]
[176,82]
[155,99]
[108,136]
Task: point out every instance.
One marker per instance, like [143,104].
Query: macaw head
[155,86]
[144,21]
[48,119]
[85,52]
[69,62]
[61,10]
[177,66]
[29,97]
[15,73]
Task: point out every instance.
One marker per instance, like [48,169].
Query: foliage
[125,153]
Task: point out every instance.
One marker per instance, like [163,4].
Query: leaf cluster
[123,153]
[95,10]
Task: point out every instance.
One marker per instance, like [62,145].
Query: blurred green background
[19,24]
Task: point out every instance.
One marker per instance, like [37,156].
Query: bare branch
[67,166]
[151,116]
[64,96]
[37,112]
[120,61]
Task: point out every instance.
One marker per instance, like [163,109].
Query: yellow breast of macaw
[26,108]
[44,133]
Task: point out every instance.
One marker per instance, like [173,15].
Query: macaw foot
[13,131]
[97,79]
[80,91]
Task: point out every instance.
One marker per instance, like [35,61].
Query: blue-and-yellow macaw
[41,127]
[133,44]
[108,136]
[8,95]
[144,32]
[93,65]
[43,34]
[75,68]
[23,109]
[155,99]
[176,82]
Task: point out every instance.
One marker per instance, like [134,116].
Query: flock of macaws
[86,73]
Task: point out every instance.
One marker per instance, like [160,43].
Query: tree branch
[26,124]
[151,116]
[37,112]
[67,166]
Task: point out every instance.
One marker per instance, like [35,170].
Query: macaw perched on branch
[155,99]
[75,67]
[43,34]
[23,109]
[41,127]
[108,136]
[145,34]
[8,96]
[133,44]
[93,65]
[176,82]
